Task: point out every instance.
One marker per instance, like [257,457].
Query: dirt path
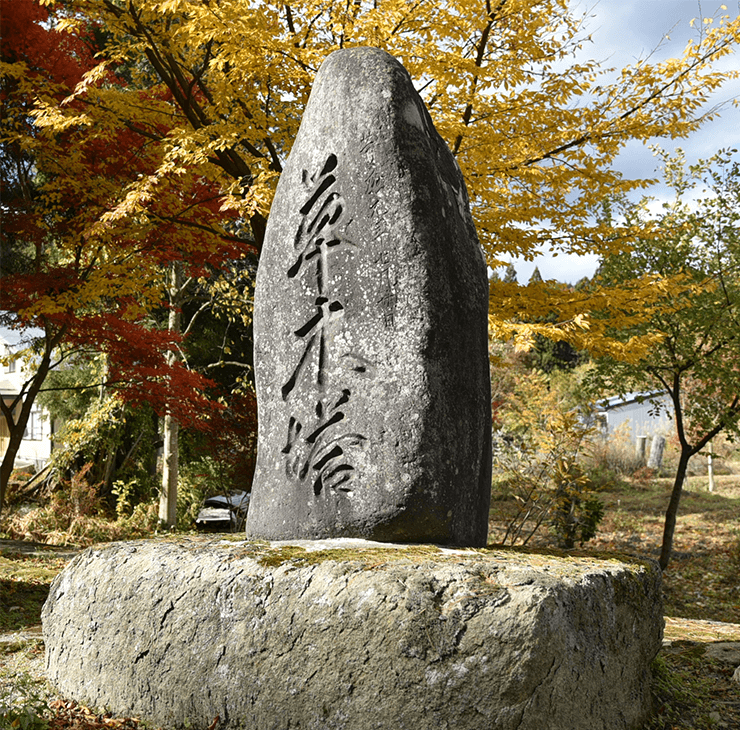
[37,549]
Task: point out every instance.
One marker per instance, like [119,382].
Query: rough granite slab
[354,636]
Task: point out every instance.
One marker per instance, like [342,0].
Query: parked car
[223,513]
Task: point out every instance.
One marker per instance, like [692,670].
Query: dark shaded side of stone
[370,325]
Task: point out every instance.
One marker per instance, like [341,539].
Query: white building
[36,445]
[639,414]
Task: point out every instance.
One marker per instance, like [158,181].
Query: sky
[623,31]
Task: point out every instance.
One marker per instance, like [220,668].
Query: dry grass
[701,587]
[701,581]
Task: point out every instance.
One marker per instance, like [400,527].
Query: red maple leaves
[85,251]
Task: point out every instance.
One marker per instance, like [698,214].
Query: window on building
[34,427]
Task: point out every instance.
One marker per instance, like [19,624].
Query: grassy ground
[701,580]
[701,586]
[701,589]
[24,585]
[693,690]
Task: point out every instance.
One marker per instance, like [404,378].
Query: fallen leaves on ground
[67,715]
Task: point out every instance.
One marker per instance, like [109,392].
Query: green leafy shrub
[577,510]
[538,477]
[24,707]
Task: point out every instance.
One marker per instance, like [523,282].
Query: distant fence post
[641,447]
[656,452]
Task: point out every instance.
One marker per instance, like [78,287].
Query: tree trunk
[6,468]
[670,515]
[17,424]
[171,457]
[170,469]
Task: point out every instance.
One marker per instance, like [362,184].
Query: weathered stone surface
[359,638]
[656,452]
[370,325]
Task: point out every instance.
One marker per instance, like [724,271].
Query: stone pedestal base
[351,635]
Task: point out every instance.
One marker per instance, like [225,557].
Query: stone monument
[370,325]
[372,376]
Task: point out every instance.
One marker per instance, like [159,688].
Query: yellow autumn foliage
[535,132]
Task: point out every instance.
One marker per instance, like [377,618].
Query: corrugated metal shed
[639,414]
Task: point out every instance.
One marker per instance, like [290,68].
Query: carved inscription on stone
[319,452]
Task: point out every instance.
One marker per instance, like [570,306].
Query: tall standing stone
[370,325]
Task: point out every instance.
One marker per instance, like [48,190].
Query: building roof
[616,401]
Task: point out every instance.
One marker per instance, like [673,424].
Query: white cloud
[623,31]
